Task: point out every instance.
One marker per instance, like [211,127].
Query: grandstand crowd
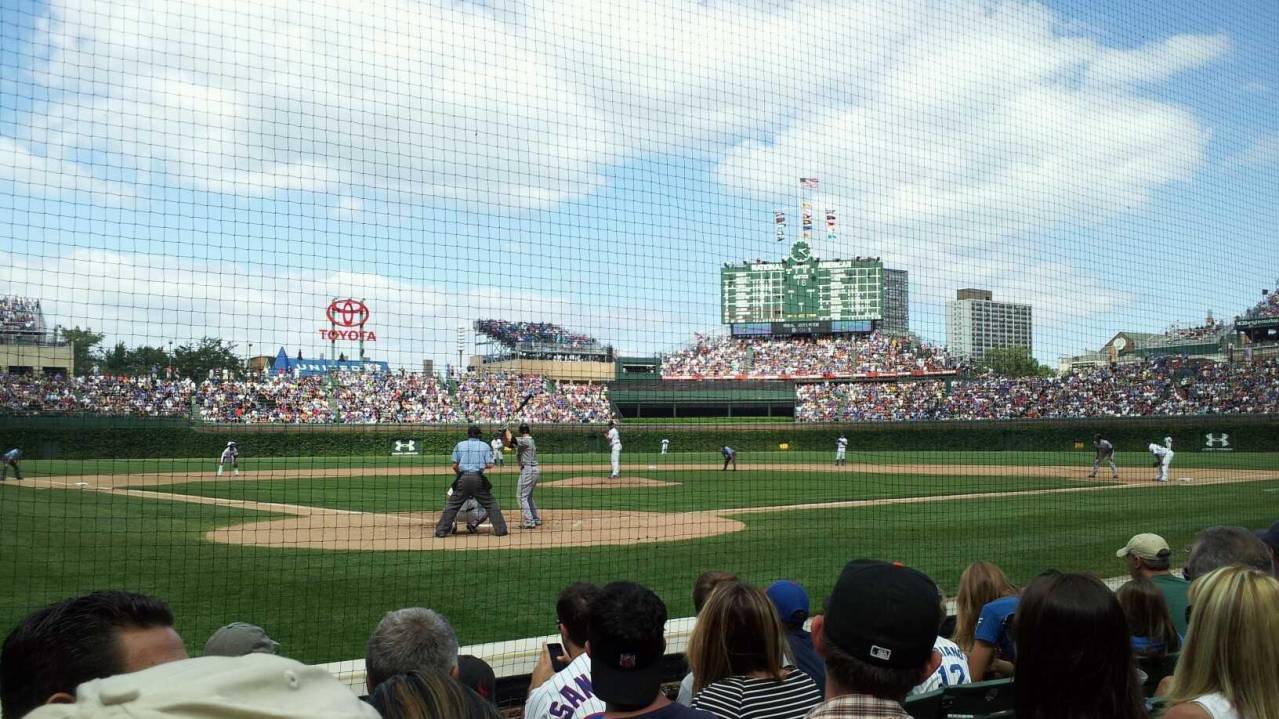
[874,355]
[1189,644]
[19,315]
[1164,387]
[1266,308]
[516,334]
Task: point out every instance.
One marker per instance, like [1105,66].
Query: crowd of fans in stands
[769,358]
[517,334]
[19,315]
[1203,644]
[1266,308]
[1160,388]
[356,397]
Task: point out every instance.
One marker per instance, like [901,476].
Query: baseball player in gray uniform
[526,454]
[1105,453]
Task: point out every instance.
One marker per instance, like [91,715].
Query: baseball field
[315,549]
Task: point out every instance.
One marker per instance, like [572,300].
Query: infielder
[10,459]
[1105,453]
[615,449]
[497,444]
[666,444]
[230,457]
[841,450]
[1163,459]
[730,457]
[530,473]
[471,457]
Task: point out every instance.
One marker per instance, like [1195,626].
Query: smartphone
[556,650]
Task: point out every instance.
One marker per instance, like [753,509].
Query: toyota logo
[347,313]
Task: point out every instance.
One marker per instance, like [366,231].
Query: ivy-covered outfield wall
[127,438]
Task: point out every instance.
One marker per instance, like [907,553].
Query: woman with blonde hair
[737,653]
[984,590]
[1228,663]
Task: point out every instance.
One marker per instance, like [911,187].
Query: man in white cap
[230,457]
[237,639]
[1149,557]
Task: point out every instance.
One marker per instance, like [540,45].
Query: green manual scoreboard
[803,289]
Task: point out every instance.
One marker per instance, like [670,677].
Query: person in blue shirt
[993,637]
[471,457]
[10,459]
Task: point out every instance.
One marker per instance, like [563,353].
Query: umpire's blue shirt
[472,455]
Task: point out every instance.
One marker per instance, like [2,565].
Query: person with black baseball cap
[471,457]
[876,639]
[626,642]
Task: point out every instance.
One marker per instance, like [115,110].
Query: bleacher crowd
[1203,642]
[1266,308]
[1164,387]
[518,334]
[19,315]
[711,357]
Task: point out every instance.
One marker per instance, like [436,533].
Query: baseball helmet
[230,444]
[524,428]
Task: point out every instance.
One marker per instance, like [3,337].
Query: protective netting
[852,279]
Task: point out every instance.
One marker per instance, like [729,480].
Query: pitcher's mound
[606,483]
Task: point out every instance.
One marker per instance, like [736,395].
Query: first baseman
[230,456]
[530,473]
[10,459]
[1105,453]
[1163,459]
[615,449]
[841,450]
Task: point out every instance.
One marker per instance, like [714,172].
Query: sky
[170,171]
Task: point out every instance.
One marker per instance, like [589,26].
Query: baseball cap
[884,614]
[476,674]
[215,688]
[790,599]
[626,656]
[1145,546]
[1269,536]
[237,639]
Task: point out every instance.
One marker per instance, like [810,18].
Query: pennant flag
[781,217]
[808,183]
[808,217]
[830,220]
[781,232]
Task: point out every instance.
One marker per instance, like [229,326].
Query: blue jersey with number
[994,626]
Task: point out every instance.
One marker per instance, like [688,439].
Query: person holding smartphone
[563,670]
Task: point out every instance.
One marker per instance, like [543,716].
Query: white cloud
[1263,151]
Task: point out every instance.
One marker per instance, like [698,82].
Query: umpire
[471,457]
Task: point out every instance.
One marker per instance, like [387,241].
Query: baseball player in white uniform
[497,444]
[666,444]
[230,456]
[1163,459]
[615,449]
[841,450]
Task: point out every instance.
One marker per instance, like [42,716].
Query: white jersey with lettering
[952,671]
[566,695]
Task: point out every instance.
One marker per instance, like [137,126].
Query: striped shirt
[745,697]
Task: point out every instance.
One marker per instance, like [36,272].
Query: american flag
[809,183]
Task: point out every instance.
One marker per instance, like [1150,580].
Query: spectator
[952,667]
[705,584]
[424,694]
[566,694]
[409,640]
[877,640]
[1073,654]
[64,645]
[1271,539]
[980,585]
[1149,557]
[237,639]
[256,685]
[1150,625]
[476,674]
[1217,547]
[1227,667]
[791,602]
[626,645]
[737,654]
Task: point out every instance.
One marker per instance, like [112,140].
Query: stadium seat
[989,700]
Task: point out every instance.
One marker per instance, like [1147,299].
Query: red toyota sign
[347,317]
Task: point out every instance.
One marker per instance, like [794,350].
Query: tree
[1014,362]
[196,361]
[83,340]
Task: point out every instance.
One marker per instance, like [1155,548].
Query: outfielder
[615,449]
[1105,453]
[1163,459]
[10,459]
[530,473]
[666,444]
[230,456]
[730,457]
[841,450]
[497,444]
